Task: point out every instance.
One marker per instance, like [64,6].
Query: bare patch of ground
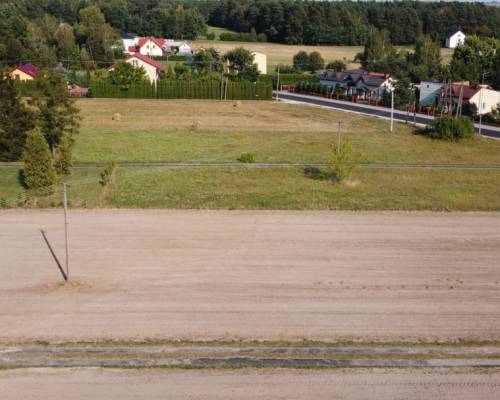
[95,383]
[262,275]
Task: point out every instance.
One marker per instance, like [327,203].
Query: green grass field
[154,131]
[161,131]
[290,188]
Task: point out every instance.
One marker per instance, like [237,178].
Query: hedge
[185,90]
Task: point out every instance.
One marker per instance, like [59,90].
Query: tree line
[351,23]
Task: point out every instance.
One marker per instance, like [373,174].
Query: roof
[144,40]
[369,78]
[453,33]
[146,59]
[29,69]
[468,91]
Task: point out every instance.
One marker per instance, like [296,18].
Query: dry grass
[283,54]
[157,130]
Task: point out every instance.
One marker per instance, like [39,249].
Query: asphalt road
[375,111]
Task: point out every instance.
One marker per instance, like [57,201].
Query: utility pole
[339,138]
[65,203]
[392,110]
[278,85]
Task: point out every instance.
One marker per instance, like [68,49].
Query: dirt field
[355,384]
[269,275]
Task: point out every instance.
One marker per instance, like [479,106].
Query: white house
[485,99]
[152,67]
[184,48]
[455,39]
[261,60]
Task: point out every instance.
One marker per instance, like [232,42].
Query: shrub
[3,203]
[211,36]
[344,161]
[38,173]
[452,128]
[107,176]
[247,158]
[63,161]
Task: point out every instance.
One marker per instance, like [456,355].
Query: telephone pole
[278,85]
[392,110]
[65,203]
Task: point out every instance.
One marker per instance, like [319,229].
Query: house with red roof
[147,46]
[150,66]
[25,72]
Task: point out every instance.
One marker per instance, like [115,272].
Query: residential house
[429,93]
[148,46]
[183,49]
[450,95]
[455,39]
[25,72]
[358,82]
[150,66]
[261,60]
[486,100]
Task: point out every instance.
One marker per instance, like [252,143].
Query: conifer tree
[39,173]
[63,161]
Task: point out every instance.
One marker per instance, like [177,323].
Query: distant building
[150,66]
[261,60]
[358,82]
[183,49]
[25,72]
[455,39]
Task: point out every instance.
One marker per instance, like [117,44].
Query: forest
[282,21]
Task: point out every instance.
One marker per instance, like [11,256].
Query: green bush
[247,158]
[107,176]
[344,161]
[452,128]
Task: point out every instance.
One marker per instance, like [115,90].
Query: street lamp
[481,103]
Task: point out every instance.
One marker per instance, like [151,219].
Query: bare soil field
[259,274]
[355,384]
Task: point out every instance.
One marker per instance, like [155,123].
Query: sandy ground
[355,384]
[268,275]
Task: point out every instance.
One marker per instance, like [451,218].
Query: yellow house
[25,72]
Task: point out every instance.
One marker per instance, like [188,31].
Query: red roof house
[25,72]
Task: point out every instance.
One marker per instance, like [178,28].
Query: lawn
[290,188]
[162,131]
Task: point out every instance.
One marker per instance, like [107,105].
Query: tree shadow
[21,179]
[318,174]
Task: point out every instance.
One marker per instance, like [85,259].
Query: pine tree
[39,173]
[15,121]
[58,115]
[63,161]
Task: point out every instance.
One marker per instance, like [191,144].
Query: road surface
[278,275]
[486,130]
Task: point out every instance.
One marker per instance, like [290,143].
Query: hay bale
[237,104]
[117,117]
[195,125]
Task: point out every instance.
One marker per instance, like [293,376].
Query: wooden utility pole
[392,110]
[278,85]
[65,203]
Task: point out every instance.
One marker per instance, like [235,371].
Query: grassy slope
[153,131]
